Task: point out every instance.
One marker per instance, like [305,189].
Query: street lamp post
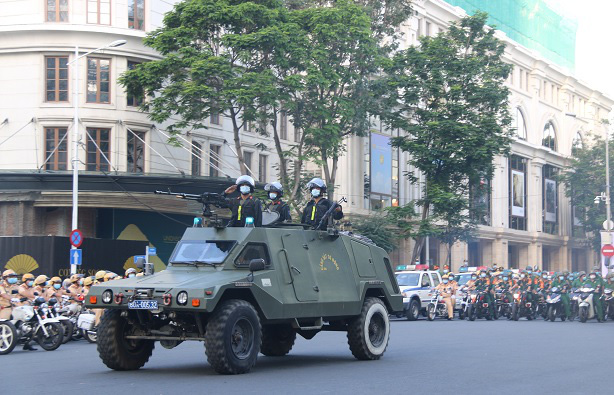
[75,155]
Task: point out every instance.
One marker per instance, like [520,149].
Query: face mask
[544,276]
[57,286]
[81,282]
[522,276]
[131,275]
[593,277]
[445,281]
[483,275]
[29,283]
[12,280]
[473,277]
[445,271]
[561,278]
[45,284]
[244,189]
[315,192]
[505,279]
[529,272]
[272,196]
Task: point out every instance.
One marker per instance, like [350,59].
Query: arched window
[577,143]
[518,124]
[549,139]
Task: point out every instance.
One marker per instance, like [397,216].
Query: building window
[214,160]
[518,124]
[136,14]
[196,155]
[577,143]
[549,139]
[56,149]
[214,118]
[550,199]
[97,145]
[247,159]
[57,10]
[480,195]
[98,72]
[56,88]
[283,126]
[518,195]
[99,12]
[427,30]
[134,100]
[136,152]
[262,168]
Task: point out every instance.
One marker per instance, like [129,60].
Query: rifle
[329,217]
[207,199]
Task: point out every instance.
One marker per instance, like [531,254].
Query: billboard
[518,202]
[381,164]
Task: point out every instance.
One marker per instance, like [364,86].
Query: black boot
[28,347]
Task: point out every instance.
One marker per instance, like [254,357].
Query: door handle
[296,269]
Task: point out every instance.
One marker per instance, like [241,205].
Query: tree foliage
[448,96]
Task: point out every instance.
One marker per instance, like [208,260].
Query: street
[462,357]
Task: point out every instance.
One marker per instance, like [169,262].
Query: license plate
[143,304]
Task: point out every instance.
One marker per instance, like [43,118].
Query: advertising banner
[518,201]
[381,164]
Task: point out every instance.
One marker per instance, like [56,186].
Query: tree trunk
[330,174]
[420,240]
[283,161]
[237,139]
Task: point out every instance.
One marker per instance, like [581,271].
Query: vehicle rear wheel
[54,337]
[117,352]
[583,313]
[552,313]
[515,312]
[233,337]
[68,327]
[8,337]
[471,313]
[414,310]
[89,335]
[368,333]
[461,314]
[430,312]
[277,340]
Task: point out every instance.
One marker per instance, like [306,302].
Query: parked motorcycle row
[49,312]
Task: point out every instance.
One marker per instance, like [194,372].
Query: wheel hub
[242,338]
[377,329]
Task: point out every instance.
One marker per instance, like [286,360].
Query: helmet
[26,277]
[317,182]
[245,179]
[501,268]
[55,279]
[451,276]
[610,276]
[88,281]
[75,278]
[8,273]
[529,268]
[40,280]
[444,277]
[66,283]
[130,271]
[109,276]
[100,275]
[275,187]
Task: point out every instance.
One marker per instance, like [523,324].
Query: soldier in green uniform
[484,284]
[609,284]
[577,282]
[596,282]
[562,283]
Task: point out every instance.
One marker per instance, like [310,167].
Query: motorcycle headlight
[182,298]
[516,296]
[107,296]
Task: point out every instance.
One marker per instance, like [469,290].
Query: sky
[594,41]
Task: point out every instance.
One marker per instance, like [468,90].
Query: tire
[471,313]
[461,314]
[68,327]
[117,352]
[277,340]
[552,313]
[8,337]
[583,313]
[91,336]
[413,312]
[54,338]
[430,312]
[515,312]
[368,334]
[233,337]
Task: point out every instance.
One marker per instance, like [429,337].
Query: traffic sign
[76,256]
[152,251]
[607,250]
[76,238]
[136,257]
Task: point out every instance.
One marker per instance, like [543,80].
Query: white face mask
[315,192]
[272,196]
[445,281]
[244,189]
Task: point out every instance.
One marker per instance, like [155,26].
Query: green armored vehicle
[245,291]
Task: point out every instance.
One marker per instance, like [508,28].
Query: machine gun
[207,199]
[328,216]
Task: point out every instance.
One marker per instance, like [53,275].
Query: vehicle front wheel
[68,327]
[233,337]
[53,339]
[583,313]
[430,312]
[368,333]
[471,313]
[8,337]
[552,313]
[114,349]
[515,314]
[414,310]
[277,340]
[90,335]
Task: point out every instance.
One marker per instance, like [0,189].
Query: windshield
[408,279]
[210,251]
[463,278]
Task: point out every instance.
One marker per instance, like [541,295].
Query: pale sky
[594,41]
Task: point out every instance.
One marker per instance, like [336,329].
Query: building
[123,155]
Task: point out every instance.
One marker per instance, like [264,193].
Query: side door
[301,271]
[425,289]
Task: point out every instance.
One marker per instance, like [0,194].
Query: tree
[212,63]
[584,179]
[449,98]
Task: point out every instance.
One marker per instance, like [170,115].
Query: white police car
[415,286]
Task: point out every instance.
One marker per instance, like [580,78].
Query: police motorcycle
[555,306]
[478,307]
[585,304]
[521,306]
[541,305]
[608,304]
[30,323]
[436,307]
[55,311]
[85,322]
[503,305]
[464,301]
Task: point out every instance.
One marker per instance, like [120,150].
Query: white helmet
[317,182]
[245,179]
[275,187]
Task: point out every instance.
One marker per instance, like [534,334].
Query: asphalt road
[463,357]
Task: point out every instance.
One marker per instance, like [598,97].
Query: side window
[253,251]
[426,281]
[435,279]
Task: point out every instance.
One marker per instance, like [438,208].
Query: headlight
[107,296]
[516,296]
[182,298]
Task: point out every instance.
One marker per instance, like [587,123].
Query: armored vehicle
[245,291]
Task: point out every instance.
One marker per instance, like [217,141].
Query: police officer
[55,289]
[130,273]
[447,291]
[99,276]
[87,284]
[562,283]
[276,191]
[318,205]
[8,291]
[26,289]
[110,276]
[245,205]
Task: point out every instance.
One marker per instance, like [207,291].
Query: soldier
[484,284]
[130,273]
[25,289]
[245,205]
[318,205]
[594,281]
[562,283]
[579,280]
[276,191]
[447,292]
[8,291]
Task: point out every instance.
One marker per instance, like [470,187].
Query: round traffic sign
[607,250]
[76,238]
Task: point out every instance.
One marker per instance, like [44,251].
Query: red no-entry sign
[76,238]
[607,250]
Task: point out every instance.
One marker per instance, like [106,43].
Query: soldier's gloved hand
[23,299]
[35,293]
[15,300]
[14,292]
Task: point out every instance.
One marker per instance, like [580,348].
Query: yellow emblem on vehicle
[324,259]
